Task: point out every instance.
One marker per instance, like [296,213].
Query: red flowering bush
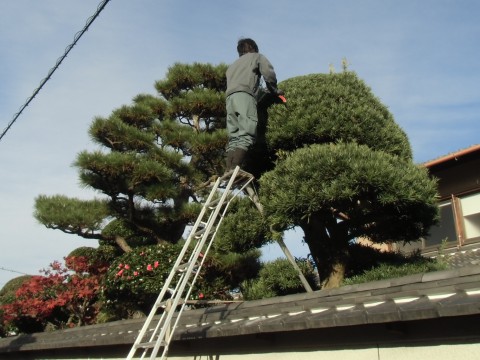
[135,279]
[64,296]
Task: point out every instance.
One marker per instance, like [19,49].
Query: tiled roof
[465,256]
[417,297]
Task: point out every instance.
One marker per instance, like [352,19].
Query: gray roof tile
[418,297]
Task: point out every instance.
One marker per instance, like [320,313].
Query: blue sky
[420,57]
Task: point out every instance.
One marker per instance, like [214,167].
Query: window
[471,215]
[445,228]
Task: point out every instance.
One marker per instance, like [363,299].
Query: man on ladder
[243,92]
[243,95]
[243,81]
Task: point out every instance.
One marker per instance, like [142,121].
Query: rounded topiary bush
[324,108]
[386,197]
[7,293]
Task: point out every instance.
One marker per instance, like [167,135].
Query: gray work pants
[242,120]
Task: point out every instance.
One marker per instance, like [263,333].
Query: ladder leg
[203,233]
[252,194]
[290,258]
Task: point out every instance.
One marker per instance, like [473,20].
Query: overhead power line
[13,271]
[77,37]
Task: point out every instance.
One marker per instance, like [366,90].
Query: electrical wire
[13,271]
[77,37]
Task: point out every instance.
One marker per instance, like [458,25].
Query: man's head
[246,46]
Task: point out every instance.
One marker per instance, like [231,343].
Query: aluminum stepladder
[155,337]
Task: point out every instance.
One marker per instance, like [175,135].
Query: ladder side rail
[163,321]
[191,260]
[198,248]
[159,300]
[189,271]
[172,274]
[292,261]
[200,266]
[213,235]
[200,245]
[186,246]
[163,316]
[179,290]
[186,275]
[254,197]
[145,327]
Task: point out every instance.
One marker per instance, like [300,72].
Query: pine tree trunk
[122,243]
[329,249]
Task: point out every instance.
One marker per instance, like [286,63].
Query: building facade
[458,177]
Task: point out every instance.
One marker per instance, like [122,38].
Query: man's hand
[281,96]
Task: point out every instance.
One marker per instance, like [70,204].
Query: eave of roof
[452,156]
[435,295]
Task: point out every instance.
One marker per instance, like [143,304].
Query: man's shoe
[238,157]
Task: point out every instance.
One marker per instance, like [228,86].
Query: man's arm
[266,70]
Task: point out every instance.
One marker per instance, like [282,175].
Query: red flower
[201,296]
[127,266]
[120,266]
[135,273]
[149,267]
[120,273]
[155,264]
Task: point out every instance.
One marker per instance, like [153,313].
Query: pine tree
[155,155]
[332,162]
[344,171]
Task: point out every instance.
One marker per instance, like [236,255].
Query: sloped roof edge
[452,156]
[452,293]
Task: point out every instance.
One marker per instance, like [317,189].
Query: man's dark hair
[246,46]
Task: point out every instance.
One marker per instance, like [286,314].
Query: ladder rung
[199,232]
[212,203]
[201,228]
[183,267]
[241,175]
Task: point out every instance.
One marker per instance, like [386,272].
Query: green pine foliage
[7,293]
[343,170]
[332,108]
[278,278]
[383,271]
[153,154]
[333,162]
[385,197]
[71,215]
[364,260]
